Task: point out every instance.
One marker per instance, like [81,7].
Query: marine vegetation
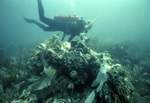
[63,72]
[125,52]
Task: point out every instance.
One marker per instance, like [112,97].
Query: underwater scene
[74,51]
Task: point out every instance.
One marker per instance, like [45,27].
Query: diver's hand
[29,20]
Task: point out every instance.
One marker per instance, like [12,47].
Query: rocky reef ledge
[63,72]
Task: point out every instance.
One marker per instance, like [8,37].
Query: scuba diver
[69,25]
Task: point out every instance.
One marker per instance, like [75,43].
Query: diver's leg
[38,24]
[29,20]
[41,14]
[43,26]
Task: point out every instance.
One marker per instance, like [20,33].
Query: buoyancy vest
[73,24]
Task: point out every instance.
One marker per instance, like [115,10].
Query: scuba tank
[66,18]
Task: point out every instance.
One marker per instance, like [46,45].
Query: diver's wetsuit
[68,28]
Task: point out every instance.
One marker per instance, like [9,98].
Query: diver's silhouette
[69,25]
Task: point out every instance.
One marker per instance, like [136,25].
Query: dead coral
[61,85]
[76,68]
[118,87]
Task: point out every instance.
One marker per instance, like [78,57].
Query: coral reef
[63,72]
[12,80]
[76,68]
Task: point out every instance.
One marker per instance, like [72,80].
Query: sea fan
[99,81]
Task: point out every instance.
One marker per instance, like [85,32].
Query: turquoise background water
[118,20]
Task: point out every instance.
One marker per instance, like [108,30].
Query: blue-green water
[122,28]
[117,19]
